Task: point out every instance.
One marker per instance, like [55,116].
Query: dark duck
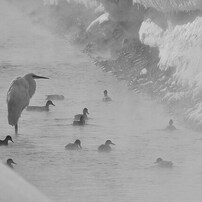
[5,141]
[78,116]
[41,108]
[79,122]
[105,147]
[74,146]
[9,162]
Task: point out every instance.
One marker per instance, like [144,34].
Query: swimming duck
[40,108]
[78,116]
[74,146]
[55,97]
[106,98]
[170,126]
[79,122]
[105,147]
[5,141]
[160,162]
[9,162]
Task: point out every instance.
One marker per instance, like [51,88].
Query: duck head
[85,111]
[10,162]
[49,102]
[171,122]
[158,160]
[8,137]
[108,142]
[78,142]
[105,93]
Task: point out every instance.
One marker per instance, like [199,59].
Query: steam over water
[132,121]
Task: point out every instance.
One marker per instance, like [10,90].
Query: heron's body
[105,147]
[18,97]
[74,146]
[40,108]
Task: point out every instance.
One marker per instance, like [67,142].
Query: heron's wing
[17,99]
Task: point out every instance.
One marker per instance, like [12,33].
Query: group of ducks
[4,142]
[102,148]
[80,119]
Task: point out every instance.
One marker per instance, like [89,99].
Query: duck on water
[78,116]
[9,163]
[105,147]
[5,141]
[74,146]
[171,126]
[162,163]
[40,108]
[79,122]
[106,98]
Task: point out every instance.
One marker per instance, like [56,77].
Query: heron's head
[108,142]
[34,76]
[49,102]
[10,161]
[8,137]
[85,111]
[78,142]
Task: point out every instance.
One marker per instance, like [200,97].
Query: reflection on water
[133,122]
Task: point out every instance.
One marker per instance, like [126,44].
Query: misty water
[134,122]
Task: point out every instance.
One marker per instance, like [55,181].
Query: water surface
[133,122]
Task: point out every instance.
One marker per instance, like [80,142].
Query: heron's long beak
[12,141]
[52,104]
[14,162]
[112,143]
[39,77]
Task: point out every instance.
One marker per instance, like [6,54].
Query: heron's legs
[16,129]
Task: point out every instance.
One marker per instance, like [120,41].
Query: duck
[74,146]
[78,116]
[105,147]
[5,141]
[9,162]
[171,126]
[106,98]
[40,108]
[79,122]
[161,163]
[55,97]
